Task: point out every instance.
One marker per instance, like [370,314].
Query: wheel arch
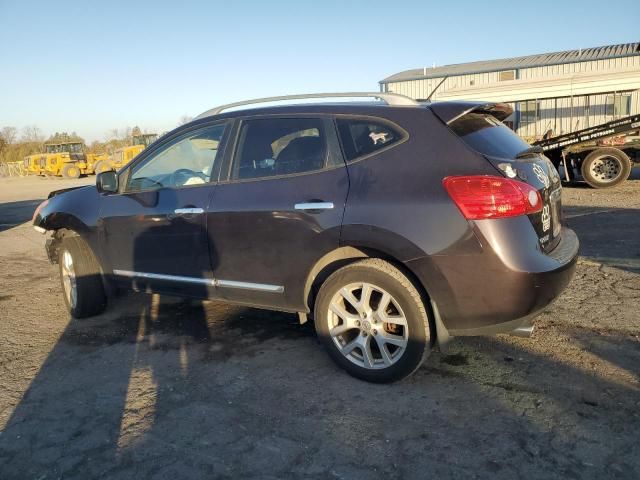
[62,221]
[348,254]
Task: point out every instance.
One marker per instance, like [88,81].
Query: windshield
[145,140]
[489,136]
[74,148]
[64,148]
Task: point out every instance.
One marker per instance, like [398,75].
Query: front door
[280,211]
[154,231]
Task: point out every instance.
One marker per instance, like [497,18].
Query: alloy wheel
[368,325]
[69,279]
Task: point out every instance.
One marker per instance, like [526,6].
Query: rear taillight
[484,196]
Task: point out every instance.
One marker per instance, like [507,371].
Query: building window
[618,105]
[529,112]
[507,75]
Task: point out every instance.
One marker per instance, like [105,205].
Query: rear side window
[362,137]
[488,135]
[280,146]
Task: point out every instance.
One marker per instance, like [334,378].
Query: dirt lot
[161,388]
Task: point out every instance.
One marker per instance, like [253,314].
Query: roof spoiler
[449,112]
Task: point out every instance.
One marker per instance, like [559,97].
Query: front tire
[81,279]
[71,171]
[373,322]
[606,167]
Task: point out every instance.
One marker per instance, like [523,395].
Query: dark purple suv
[393,224]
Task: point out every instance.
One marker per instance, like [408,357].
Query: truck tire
[606,167]
[101,166]
[373,321]
[81,278]
[70,170]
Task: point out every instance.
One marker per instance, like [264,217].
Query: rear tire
[71,171]
[606,167]
[81,278]
[373,322]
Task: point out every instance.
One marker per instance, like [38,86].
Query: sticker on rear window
[542,176]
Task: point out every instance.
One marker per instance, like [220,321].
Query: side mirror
[107,182]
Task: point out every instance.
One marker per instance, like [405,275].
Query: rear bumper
[503,288]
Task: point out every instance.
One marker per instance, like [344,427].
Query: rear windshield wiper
[530,151]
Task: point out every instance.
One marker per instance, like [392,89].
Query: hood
[64,190]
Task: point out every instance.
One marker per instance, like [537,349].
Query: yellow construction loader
[122,156]
[66,156]
[31,164]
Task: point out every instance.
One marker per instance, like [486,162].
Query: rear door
[279,211]
[514,158]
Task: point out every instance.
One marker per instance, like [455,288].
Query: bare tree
[112,134]
[9,135]
[32,134]
[184,119]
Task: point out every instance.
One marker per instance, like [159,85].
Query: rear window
[488,135]
[362,137]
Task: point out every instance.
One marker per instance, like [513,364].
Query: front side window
[361,137]
[187,161]
[280,146]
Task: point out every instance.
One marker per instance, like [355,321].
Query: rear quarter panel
[397,203]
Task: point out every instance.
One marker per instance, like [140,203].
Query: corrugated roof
[556,58]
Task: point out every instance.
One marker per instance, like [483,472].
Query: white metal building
[559,92]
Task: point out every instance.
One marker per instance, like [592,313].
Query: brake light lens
[484,196]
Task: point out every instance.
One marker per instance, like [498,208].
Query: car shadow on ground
[164,388]
[15,213]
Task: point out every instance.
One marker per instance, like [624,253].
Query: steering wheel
[182,175]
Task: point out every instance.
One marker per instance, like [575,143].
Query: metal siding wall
[547,117]
[423,89]
[562,115]
[571,68]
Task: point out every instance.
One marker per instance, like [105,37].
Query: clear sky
[90,66]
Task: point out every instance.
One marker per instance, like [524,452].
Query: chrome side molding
[170,278]
[188,211]
[314,206]
[210,282]
[259,287]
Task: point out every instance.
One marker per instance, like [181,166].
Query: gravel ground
[164,388]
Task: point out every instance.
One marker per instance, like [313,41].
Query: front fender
[75,210]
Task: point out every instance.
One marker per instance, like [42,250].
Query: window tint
[362,137]
[280,146]
[488,135]
[187,161]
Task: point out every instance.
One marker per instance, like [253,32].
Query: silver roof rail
[393,99]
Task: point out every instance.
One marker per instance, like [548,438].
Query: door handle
[188,211]
[314,206]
